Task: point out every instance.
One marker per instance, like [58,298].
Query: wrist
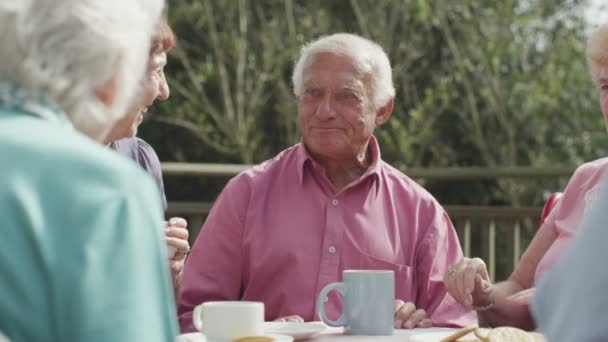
[486,300]
[486,307]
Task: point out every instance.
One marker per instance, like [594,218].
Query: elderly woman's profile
[123,139]
[82,253]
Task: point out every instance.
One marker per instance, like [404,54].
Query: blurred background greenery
[479,83]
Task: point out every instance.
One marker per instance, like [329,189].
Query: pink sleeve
[525,272]
[439,249]
[557,208]
[214,267]
[581,181]
[526,269]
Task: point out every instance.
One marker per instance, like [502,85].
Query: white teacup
[225,321]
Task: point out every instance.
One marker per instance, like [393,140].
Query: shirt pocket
[405,285]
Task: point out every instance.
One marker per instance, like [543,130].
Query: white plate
[438,335]
[198,337]
[190,337]
[296,330]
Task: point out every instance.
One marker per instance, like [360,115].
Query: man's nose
[325,110]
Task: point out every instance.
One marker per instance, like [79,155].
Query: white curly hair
[368,58]
[69,49]
[597,51]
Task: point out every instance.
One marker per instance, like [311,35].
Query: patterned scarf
[17,98]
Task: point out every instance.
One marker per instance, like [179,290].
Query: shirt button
[325,300]
[334,202]
[332,249]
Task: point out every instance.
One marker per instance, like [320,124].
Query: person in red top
[282,230]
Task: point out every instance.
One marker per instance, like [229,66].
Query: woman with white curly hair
[82,253]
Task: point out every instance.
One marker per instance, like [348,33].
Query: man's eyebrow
[310,83]
[353,85]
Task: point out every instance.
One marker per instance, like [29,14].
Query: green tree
[479,83]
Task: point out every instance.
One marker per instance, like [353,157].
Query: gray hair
[597,51]
[67,49]
[368,58]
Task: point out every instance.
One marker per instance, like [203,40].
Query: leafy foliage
[479,83]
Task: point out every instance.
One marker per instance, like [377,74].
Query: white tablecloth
[335,334]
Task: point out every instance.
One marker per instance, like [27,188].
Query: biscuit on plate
[508,334]
[460,333]
[254,339]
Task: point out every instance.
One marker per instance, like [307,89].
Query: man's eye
[313,92]
[348,96]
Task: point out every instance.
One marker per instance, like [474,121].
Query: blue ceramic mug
[369,302]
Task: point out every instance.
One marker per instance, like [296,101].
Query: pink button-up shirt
[279,232]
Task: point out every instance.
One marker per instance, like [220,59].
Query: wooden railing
[448,173]
[494,224]
[480,228]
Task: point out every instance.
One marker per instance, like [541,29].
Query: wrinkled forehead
[338,70]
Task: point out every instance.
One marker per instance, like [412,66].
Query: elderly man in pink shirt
[282,230]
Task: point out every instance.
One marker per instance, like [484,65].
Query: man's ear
[106,94]
[384,113]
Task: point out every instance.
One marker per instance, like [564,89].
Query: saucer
[296,330]
[198,337]
[438,336]
[191,337]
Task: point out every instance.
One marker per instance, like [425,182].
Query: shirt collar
[303,158]
[376,166]
[15,97]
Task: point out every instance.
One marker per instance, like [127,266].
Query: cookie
[460,333]
[508,334]
[483,334]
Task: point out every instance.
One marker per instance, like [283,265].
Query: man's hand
[408,317]
[292,318]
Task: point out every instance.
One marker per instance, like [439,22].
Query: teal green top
[82,253]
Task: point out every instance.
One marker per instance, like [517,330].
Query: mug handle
[321,305]
[196,317]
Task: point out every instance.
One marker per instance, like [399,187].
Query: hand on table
[292,318]
[408,317]
[469,283]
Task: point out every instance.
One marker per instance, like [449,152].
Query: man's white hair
[68,49]
[367,57]
[597,51]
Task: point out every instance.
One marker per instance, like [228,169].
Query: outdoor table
[336,334]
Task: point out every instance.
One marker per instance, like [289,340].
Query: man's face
[603,87]
[335,112]
[153,86]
